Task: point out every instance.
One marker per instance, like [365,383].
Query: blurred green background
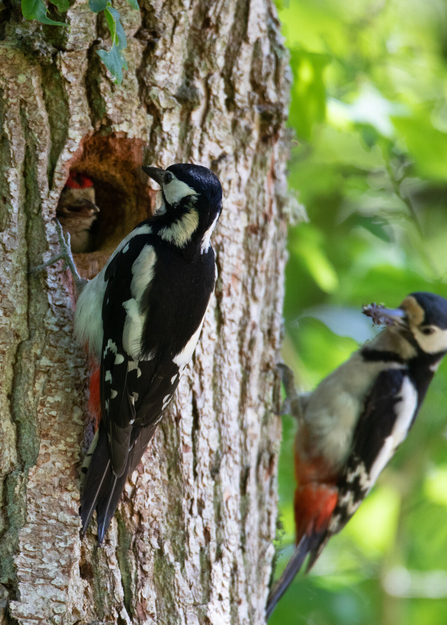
[369,111]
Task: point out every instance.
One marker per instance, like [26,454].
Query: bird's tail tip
[308,544]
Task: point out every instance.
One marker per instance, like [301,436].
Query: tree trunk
[192,539]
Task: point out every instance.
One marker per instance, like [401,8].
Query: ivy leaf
[97,5]
[116,28]
[37,10]
[114,61]
[134,4]
[62,5]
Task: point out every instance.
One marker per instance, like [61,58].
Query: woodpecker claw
[66,255]
[291,404]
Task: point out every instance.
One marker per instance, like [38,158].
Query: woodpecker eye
[427,331]
[167,178]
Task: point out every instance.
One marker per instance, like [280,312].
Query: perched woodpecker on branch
[351,425]
[77,211]
[141,318]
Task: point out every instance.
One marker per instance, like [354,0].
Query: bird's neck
[394,346]
[391,346]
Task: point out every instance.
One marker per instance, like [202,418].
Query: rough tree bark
[192,541]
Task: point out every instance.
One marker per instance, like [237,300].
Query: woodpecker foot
[292,403]
[65,255]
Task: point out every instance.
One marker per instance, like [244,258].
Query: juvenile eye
[168,177]
[427,331]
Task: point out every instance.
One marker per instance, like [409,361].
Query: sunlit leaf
[436,485]
[116,28]
[114,62]
[97,5]
[62,5]
[37,10]
[378,226]
[427,145]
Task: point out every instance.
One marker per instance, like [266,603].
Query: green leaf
[37,10]
[62,5]
[376,225]
[116,28]
[97,5]
[426,144]
[134,4]
[114,61]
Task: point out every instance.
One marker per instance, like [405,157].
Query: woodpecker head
[192,203]
[77,209]
[422,317]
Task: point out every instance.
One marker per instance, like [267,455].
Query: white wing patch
[133,329]
[132,365]
[183,357]
[405,410]
[142,274]
[176,190]
[143,271]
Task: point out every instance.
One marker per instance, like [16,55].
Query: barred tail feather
[306,545]
[102,489]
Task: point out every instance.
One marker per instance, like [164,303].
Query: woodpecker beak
[394,316]
[155,173]
[386,316]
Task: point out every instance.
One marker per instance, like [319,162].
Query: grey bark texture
[192,539]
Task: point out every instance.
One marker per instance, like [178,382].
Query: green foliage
[37,10]
[369,108]
[114,58]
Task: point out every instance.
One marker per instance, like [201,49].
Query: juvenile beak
[155,173]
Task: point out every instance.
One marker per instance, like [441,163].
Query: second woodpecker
[351,425]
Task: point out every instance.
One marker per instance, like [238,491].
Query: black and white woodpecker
[141,318]
[351,425]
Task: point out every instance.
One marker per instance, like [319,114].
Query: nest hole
[121,193]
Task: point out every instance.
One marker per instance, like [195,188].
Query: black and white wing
[388,414]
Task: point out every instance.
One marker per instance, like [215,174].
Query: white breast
[335,406]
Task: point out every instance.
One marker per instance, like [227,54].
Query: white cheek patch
[432,343]
[405,410]
[176,190]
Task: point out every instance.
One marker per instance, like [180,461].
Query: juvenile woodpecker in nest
[77,211]
[140,319]
[351,425]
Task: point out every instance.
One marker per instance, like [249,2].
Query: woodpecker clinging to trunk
[352,424]
[141,318]
[77,211]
